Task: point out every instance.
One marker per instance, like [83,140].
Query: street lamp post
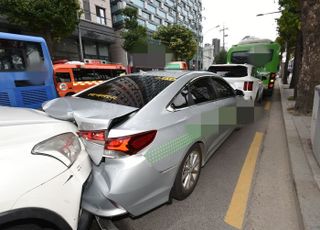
[275,12]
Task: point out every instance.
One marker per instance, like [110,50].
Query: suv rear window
[229,71]
[134,90]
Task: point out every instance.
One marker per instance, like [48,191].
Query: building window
[86,9]
[170,3]
[138,3]
[141,22]
[157,3]
[117,18]
[157,20]
[101,15]
[146,15]
[170,18]
[151,8]
[96,50]
[151,26]
[161,13]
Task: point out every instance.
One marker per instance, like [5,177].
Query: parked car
[43,167]
[148,135]
[242,77]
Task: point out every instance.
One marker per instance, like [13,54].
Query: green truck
[264,54]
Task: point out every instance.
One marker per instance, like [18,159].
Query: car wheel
[28,225]
[188,174]
[258,100]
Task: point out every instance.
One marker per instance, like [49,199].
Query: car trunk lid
[88,115]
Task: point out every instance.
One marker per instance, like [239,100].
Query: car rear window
[134,90]
[229,71]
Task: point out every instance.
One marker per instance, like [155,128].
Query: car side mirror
[239,92]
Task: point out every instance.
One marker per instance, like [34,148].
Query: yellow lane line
[236,211]
[267,106]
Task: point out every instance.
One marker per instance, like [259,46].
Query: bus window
[20,55]
[240,57]
[118,72]
[92,74]
[25,71]
[257,58]
[63,77]
[103,74]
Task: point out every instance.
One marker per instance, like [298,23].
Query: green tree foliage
[179,40]
[53,19]
[221,57]
[288,28]
[134,35]
[289,22]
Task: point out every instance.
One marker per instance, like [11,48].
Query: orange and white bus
[71,77]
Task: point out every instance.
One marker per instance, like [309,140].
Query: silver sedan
[148,136]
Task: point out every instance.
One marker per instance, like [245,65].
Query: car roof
[171,73]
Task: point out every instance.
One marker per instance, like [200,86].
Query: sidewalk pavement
[305,169]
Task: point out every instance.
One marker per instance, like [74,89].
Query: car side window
[181,100]
[63,77]
[201,90]
[222,89]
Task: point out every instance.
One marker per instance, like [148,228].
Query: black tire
[179,190]
[28,225]
[258,101]
[69,94]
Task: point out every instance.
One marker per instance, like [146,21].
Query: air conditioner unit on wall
[139,12]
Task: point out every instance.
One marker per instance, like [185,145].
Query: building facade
[216,46]
[94,35]
[91,39]
[152,14]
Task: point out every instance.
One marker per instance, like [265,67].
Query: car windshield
[134,90]
[229,71]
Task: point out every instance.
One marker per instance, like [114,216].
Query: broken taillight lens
[97,136]
[130,144]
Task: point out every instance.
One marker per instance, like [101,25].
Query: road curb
[303,166]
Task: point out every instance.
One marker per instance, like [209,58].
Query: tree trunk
[310,72]
[297,64]
[285,68]
[48,37]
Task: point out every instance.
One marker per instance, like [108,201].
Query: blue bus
[26,71]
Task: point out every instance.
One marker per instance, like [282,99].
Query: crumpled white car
[43,167]
[241,77]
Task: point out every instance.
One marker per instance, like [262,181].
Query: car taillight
[97,136]
[272,80]
[130,144]
[248,86]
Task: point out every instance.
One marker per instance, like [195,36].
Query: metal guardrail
[315,124]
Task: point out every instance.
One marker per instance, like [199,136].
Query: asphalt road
[220,185]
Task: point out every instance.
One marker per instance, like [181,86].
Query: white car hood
[10,116]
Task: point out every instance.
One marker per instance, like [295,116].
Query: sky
[239,16]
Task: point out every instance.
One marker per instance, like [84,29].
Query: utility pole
[223,36]
[80,39]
